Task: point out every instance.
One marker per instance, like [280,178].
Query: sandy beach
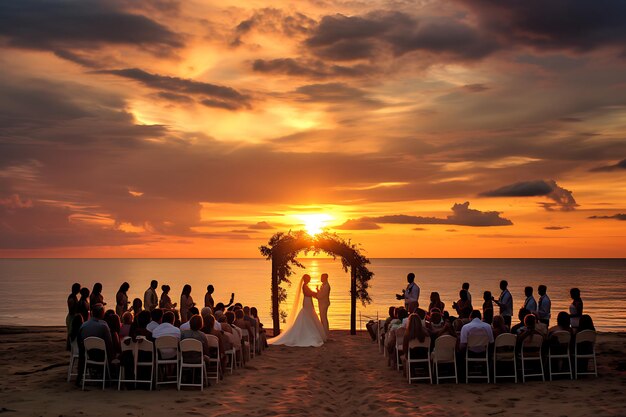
[347,376]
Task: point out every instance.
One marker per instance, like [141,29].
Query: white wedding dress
[304,329]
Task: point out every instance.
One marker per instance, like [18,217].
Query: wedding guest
[121,299]
[208,297]
[157,317]
[487,307]
[499,326]
[576,308]
[543,305]
[562,324]
[505,302]
[475,326]
[77,322]
[150,298]
[137,307]
[83,304]
[415,331]
[127,321]
[196,323]
[94,327]
[585,323]
[165,302]
[262,334]
[392,315]
[435,302]
[251,320]
[521,315]
[411,294]
[113,321]
[244,325]
[465,287]
[529,303]
[72,310]
[186,302]
[96,295]
[209,327]
[138,328]
[192,311]
[167,328]
[437,325]
[528,331]
[463,307]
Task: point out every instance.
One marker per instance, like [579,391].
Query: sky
[166,128]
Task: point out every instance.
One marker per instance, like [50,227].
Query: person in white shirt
[505,302]
[150,298]
[186,325]
[157,316]
[465,287]
[411,294]
[167,328]
[530,304]
[544,305]
[475,326]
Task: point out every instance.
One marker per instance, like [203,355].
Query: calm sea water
[34,291]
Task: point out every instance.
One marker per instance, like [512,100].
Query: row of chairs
[444,354]
[164,352]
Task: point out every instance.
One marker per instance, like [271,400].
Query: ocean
[34,291]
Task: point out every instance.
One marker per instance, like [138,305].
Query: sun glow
[315,223]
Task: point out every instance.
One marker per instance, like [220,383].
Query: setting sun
[315,223]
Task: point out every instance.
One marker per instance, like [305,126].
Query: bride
[304,327]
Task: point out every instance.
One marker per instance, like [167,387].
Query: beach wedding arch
[283,249]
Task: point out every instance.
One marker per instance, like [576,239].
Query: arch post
[275,308]
[352,300]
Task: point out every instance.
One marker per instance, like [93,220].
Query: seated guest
[247,317]
[94,327]
[165,302]
[463,307]
[237,341]
[244,325]
[435,302]
[82,307]
[519,327]
[499,325]
[474,327]
[113,321]
[157,316]
[415,331]
[528,330]
[127,321]
[487,307]
[192,312]
[137,307]
[138,328]
[224,341]
[562,324]
[401,315]
[585,323]
[194,332]
[392,315]
[262,335]
[167,328]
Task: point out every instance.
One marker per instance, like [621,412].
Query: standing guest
[127,321]
[150,298]
[576,308]
[94,327]
[465,287]
[113,321]
[157,317]
[186,302]
[499,326]
[137,307]
[529,303]
[475,326]
[411,294]
[463,307]
[165,303]
[192,312]
[208,297]
[96,295]
[83,304]
[121,299]
[543,305]
[505,302]
[562,324]
[72,310]
[435,302]
[488,307]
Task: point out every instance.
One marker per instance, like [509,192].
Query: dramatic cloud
[461,215]
[563,199]
[275,21]
[316,69]
[621,165]
[218,96]
[619,216]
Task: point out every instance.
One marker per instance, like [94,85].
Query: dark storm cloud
[218,96]
[619,216]
[316,69]
[342,38]
[336,93]
[621,165]
[563,199]
[68,24]
[577,25]
[461,215]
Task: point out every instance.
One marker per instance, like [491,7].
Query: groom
[323,301]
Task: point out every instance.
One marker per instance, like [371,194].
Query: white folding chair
[380,331]
[166,345]
[531,352]
[444,352]
[238,346]
[504,351]
[128,348]
[399,346]
[477,352]
[245,342]
[231,354]
[558,349]
[191,346]
[95,343]
[145,359]
[585,336]
[74,355]
[410,359]
[214,342]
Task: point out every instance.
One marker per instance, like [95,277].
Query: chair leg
[595,367]
[543,376]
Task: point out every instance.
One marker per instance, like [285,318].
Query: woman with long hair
[121,299]
[186,302]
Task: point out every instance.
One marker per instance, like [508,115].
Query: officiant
[411,294]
